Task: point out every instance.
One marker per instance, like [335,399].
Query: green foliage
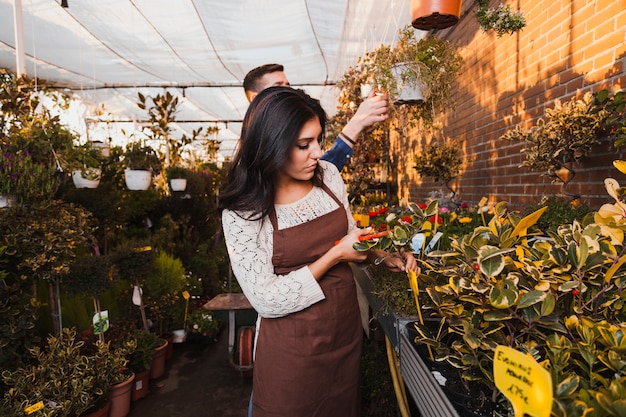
[140,157]
[502,20]
[90,275]
[564,136]
[559,296]
[163,286]
[140,359]
[66,372]
[202,322]
[612,108]
[430,62]
[559,212]
[22,178]
[440,162]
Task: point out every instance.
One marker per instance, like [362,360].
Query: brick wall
[567,48]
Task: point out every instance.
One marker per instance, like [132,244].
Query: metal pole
[20,61]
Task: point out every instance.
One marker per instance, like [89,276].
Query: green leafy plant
[203,322]
[564,136]
[430,62]
[173,172]
[64,376]
[440,162]
[140,157]
[502,20]
[140,359]
[85,158]
[558,296]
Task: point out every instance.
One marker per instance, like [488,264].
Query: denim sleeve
[338,154]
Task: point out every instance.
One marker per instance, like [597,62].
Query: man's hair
[251,82]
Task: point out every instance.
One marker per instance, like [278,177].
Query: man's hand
[374,109]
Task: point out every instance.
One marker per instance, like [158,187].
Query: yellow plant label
[523,381]
[32,408]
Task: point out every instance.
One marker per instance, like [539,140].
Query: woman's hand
[401,262]
[345,246]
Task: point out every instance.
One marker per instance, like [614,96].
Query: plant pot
[140,385]
[178,184]
[169,351]
[157,369]
[435,14]
[82,182]
[102,412]
[137,179]
[105,148]
[409,91]
[120,397]
[6,201]
[179,336]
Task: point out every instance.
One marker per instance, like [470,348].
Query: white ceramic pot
[137,179]
[179,335]
[178,184]
[6,200]
[409,91]
[82,182]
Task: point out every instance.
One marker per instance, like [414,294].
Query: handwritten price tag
[523,381]
[35,407]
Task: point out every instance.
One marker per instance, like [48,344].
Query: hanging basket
[435,14]
[137,179]
[82,182]
[178,184]
[408,91]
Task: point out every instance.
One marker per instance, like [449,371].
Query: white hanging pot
[408,90]
[6,200]
[105,148]
[137,179]
[178,184]
[92,181]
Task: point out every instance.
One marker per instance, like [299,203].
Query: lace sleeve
[250,248]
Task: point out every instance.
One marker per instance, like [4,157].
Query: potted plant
[440,162]
[140,360]
[84,163]
[64,379]
[565,136]
[177,177]
[430,64]
[502,20]
[557,296]
[203,326]
[141,163]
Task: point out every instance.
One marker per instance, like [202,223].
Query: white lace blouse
[250,248]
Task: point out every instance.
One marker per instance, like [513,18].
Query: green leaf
[497,315]
[547,307]
[530,298]
[567,386]
[528,221]
[502,297]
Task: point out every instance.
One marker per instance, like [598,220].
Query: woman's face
[306,152]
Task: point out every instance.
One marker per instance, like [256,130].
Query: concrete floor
[198,381]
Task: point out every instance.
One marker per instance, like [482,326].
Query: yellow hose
[398,382]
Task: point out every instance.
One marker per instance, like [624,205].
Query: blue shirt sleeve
[338,154]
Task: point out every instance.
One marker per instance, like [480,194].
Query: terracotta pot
[435,14]
[120,396]
[102,412]
[157,369]
[140,385]
[169,351]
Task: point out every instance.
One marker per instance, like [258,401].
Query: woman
[289,234]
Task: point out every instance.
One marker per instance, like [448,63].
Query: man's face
[271,79]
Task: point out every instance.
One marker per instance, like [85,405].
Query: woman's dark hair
[270,131]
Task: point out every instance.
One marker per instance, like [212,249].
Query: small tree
[440,162]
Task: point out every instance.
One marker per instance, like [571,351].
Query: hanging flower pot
[137,179]
[178,184]
[435,14]
[90,178]
[409,90]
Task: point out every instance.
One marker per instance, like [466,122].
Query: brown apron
[307,363]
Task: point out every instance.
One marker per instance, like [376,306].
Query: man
[373,109]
